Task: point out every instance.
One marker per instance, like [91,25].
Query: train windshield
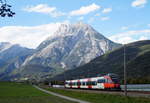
[114,78]
[66,82]
[101,81]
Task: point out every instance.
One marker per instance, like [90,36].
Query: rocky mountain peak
[72,45]
[4,46]
[82,25]
[67,29]
[4,43]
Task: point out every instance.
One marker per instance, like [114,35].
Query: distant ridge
[11,57]
[138,64]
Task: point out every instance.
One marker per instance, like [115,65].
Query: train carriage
[106,82]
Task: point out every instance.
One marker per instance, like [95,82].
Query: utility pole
[125,72]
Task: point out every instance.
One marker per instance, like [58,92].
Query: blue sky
[122,21]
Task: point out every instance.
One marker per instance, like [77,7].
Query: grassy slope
[137,55]
[21,93]
[100,98]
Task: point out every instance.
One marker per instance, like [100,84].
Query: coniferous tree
[5,9]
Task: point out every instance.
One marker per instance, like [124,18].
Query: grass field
[100,98]
[21,93]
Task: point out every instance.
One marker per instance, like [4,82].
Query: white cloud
[85,10]
[107,10]
[131,36]
[138,3]
[104,18]
[44,8]
[41,8]
[143,38]
[125,40]
[134,26]
[28,36]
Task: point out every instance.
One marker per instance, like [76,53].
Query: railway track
[130,93]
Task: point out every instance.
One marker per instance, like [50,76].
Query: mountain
[137,58]
[72,45]
[11,57]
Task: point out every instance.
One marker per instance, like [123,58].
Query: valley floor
[22,93]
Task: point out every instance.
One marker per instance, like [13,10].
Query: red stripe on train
[78,82]
[89,85]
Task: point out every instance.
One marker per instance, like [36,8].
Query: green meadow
[23,93]
[100,98]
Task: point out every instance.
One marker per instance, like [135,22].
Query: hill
[137,58]
[11,57]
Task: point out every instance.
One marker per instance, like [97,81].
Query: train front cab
[111,83]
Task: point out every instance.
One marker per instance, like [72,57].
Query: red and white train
[107,82]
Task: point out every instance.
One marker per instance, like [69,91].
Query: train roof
[86,78]
[98,77]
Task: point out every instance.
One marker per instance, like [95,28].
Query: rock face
[11,57]
[70,46]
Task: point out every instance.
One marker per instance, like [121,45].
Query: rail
[137,87]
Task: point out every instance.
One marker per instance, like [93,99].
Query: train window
[84,83]
[78,83]
[89,83]
[101,81]
[70,83]
[109,81]
[94,83]
[66,82]
[75,83]
[106,81]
